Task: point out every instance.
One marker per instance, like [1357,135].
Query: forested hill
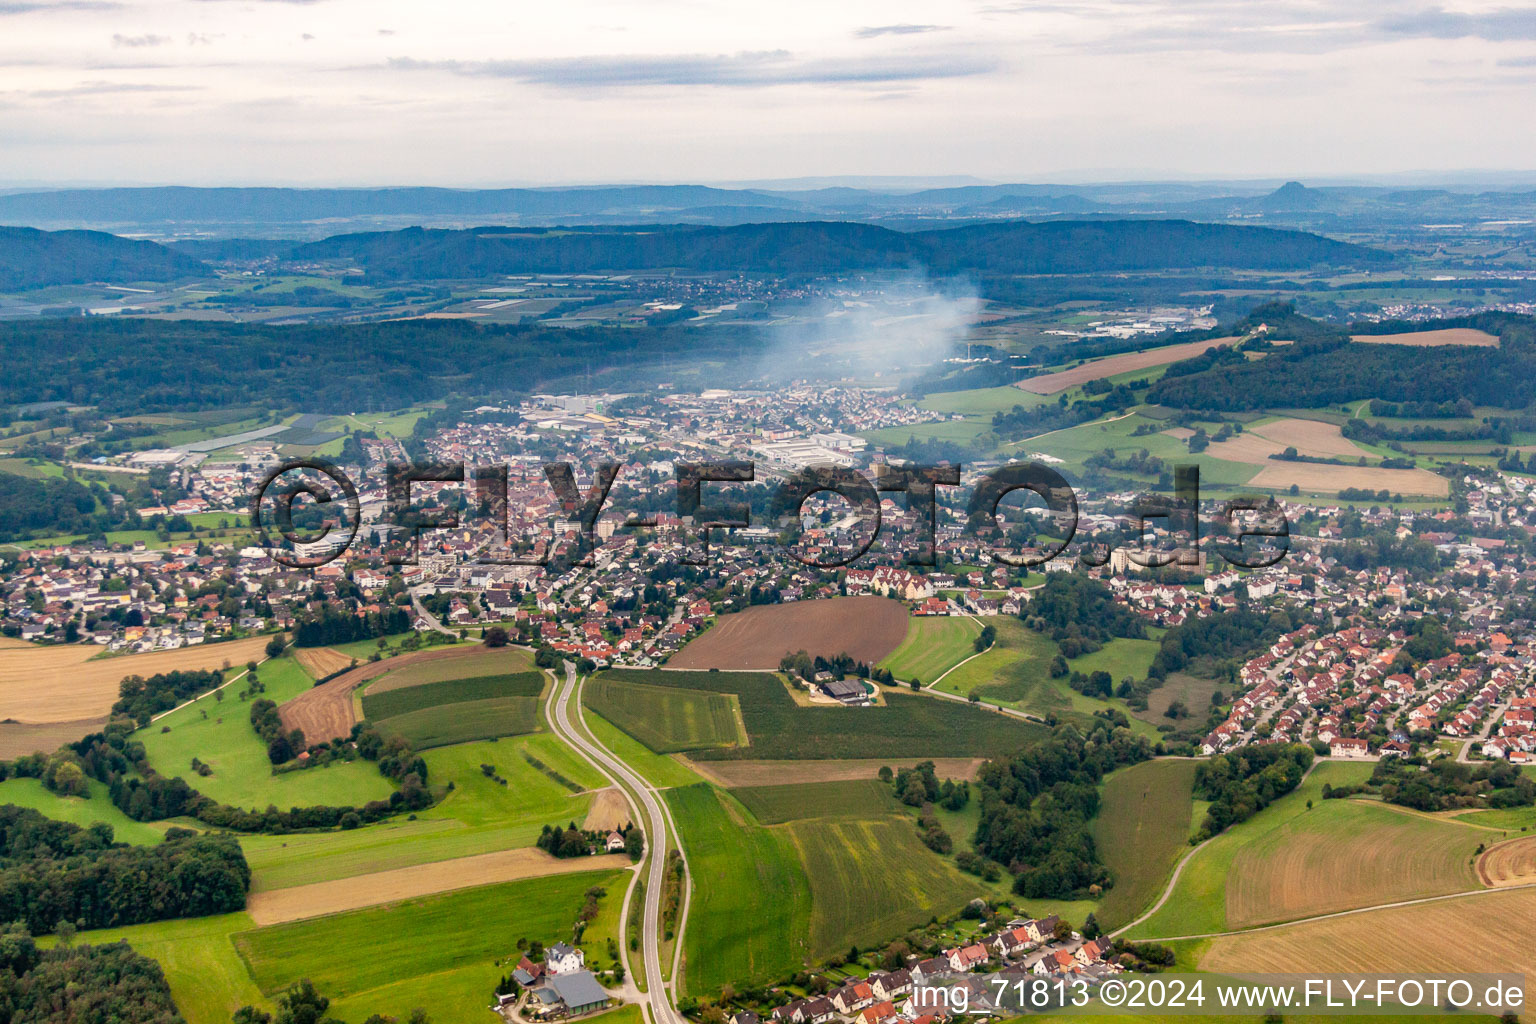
[36,259]
[820,247]
[128,366]
[1323,367]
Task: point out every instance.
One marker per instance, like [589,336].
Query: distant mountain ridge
[310,213]
[35,259]
[819,247]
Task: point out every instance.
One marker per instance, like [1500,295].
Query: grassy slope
[751,906]
[479,816]
[1015,673]
[1120,658]
[1141,831]
[1198,903]
[932,646]
[775,805]
[657,769]
[666,719]
[439,952]
[242,774]
[80,810]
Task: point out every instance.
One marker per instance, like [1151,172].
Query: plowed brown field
[1511,863]
[867,628]
[320,662]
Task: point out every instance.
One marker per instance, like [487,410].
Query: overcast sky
[475,92]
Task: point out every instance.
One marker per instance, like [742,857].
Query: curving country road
[663,1010]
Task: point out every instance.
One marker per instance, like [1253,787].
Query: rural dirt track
[1511,863]
[1423,339]
[320,898]
[867,628]
[325,712]
[41,685]
[1051,383]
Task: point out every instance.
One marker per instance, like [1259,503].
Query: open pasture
[1462,336]
[666,719]
[908,726]
[1198,903]
[934,644]
[301,902]
[1141,830]
[67,683]
[1051,383]
[751,909]
[873,880]
[775,805]
[219,733]
[350,954]
[866,628]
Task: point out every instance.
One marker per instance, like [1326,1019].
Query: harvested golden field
[42,685]
[320,662]
[1511,863]
[11,643]
[1311,476]
[321,898]
[1466,336]
[1492,932]
[609,811]
[1344,854]
[17,740]
[1051,383]
[776,773]
[867,628]
[1310,437]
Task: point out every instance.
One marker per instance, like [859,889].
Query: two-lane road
[663,1011]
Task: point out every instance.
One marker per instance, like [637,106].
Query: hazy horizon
[473,94]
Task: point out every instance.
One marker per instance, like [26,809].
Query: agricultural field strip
[318,899]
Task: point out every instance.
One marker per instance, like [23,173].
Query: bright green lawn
[443,952]
[933,645]
[1120,658]
[242,774]
[80,810]
[657,769]
[208,980]
[751,911]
